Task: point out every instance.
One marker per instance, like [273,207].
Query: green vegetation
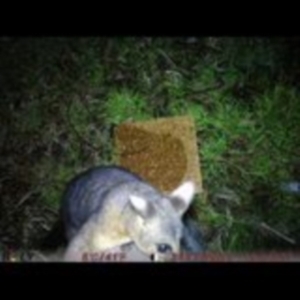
[61,98]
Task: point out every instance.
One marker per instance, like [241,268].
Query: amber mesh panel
[162,151]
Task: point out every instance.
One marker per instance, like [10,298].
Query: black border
[152,20]
[199,270]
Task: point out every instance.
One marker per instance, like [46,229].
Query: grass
[61,99]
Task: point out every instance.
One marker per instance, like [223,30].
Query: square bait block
[162,151]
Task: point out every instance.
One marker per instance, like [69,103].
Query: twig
[279,234]
[25,197]
[171,63]
[30,193]
[52,210]
[220,84]
[167,58]
[39,255]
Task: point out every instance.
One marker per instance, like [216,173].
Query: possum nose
[164,248]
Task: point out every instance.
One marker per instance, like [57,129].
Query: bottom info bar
[202,257]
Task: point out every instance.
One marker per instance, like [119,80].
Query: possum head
[155,223]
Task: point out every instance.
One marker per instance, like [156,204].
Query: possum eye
[163,248]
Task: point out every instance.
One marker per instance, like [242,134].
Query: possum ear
[141,206]
[182,197]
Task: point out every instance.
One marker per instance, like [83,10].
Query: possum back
[85,194]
